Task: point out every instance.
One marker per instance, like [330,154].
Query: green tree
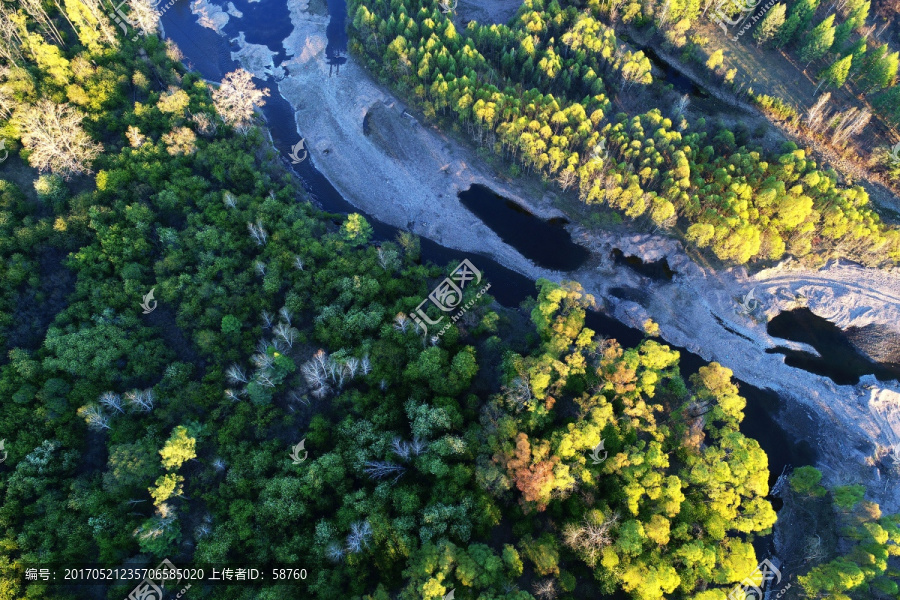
[770,24]
[820,40]
[356,230]
[837,73]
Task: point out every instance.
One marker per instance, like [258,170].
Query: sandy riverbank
[407,174]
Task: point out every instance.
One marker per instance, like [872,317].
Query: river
[209,54]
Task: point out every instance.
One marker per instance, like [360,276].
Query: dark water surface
[547,243]
[839,360]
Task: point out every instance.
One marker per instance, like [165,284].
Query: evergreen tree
[786,32]
[837,73]
[821,38]
[770,25]
[881,72]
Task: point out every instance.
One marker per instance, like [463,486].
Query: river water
[208,53]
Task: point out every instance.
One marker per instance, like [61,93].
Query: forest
[550,94]
[466,464]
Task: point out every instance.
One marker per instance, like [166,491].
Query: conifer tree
[837,73]
[770,25]
[820,40]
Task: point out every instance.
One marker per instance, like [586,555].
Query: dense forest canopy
[542,92]
[461,463]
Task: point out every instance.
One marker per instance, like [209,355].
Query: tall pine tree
[820,41]
[770,25]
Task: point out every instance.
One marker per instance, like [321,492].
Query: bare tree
[815,116]
[140,400]
[10,40]
[95,417]
[206,125]
[35,10]
[260,268]
[112,400]
[352,365]
[366,365]
[545,589]
[287,333]
[258,233]
[377,469]
[681,105]
[237,98]
[849,123]
[401,449]
[143,14]
[567,178]
[360,535]
[418,446]
[262,361]
[335,552]
[235,374]
[267,319]
[53,134]
[285,314]
[298,263]
[298,398]
[401,322]
[589,538]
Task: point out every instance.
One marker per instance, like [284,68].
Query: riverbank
[408,174]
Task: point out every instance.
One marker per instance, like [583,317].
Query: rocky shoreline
[408,174]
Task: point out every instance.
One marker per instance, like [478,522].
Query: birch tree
[57,142]
[237,98]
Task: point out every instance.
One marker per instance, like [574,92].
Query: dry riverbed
[408,174]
